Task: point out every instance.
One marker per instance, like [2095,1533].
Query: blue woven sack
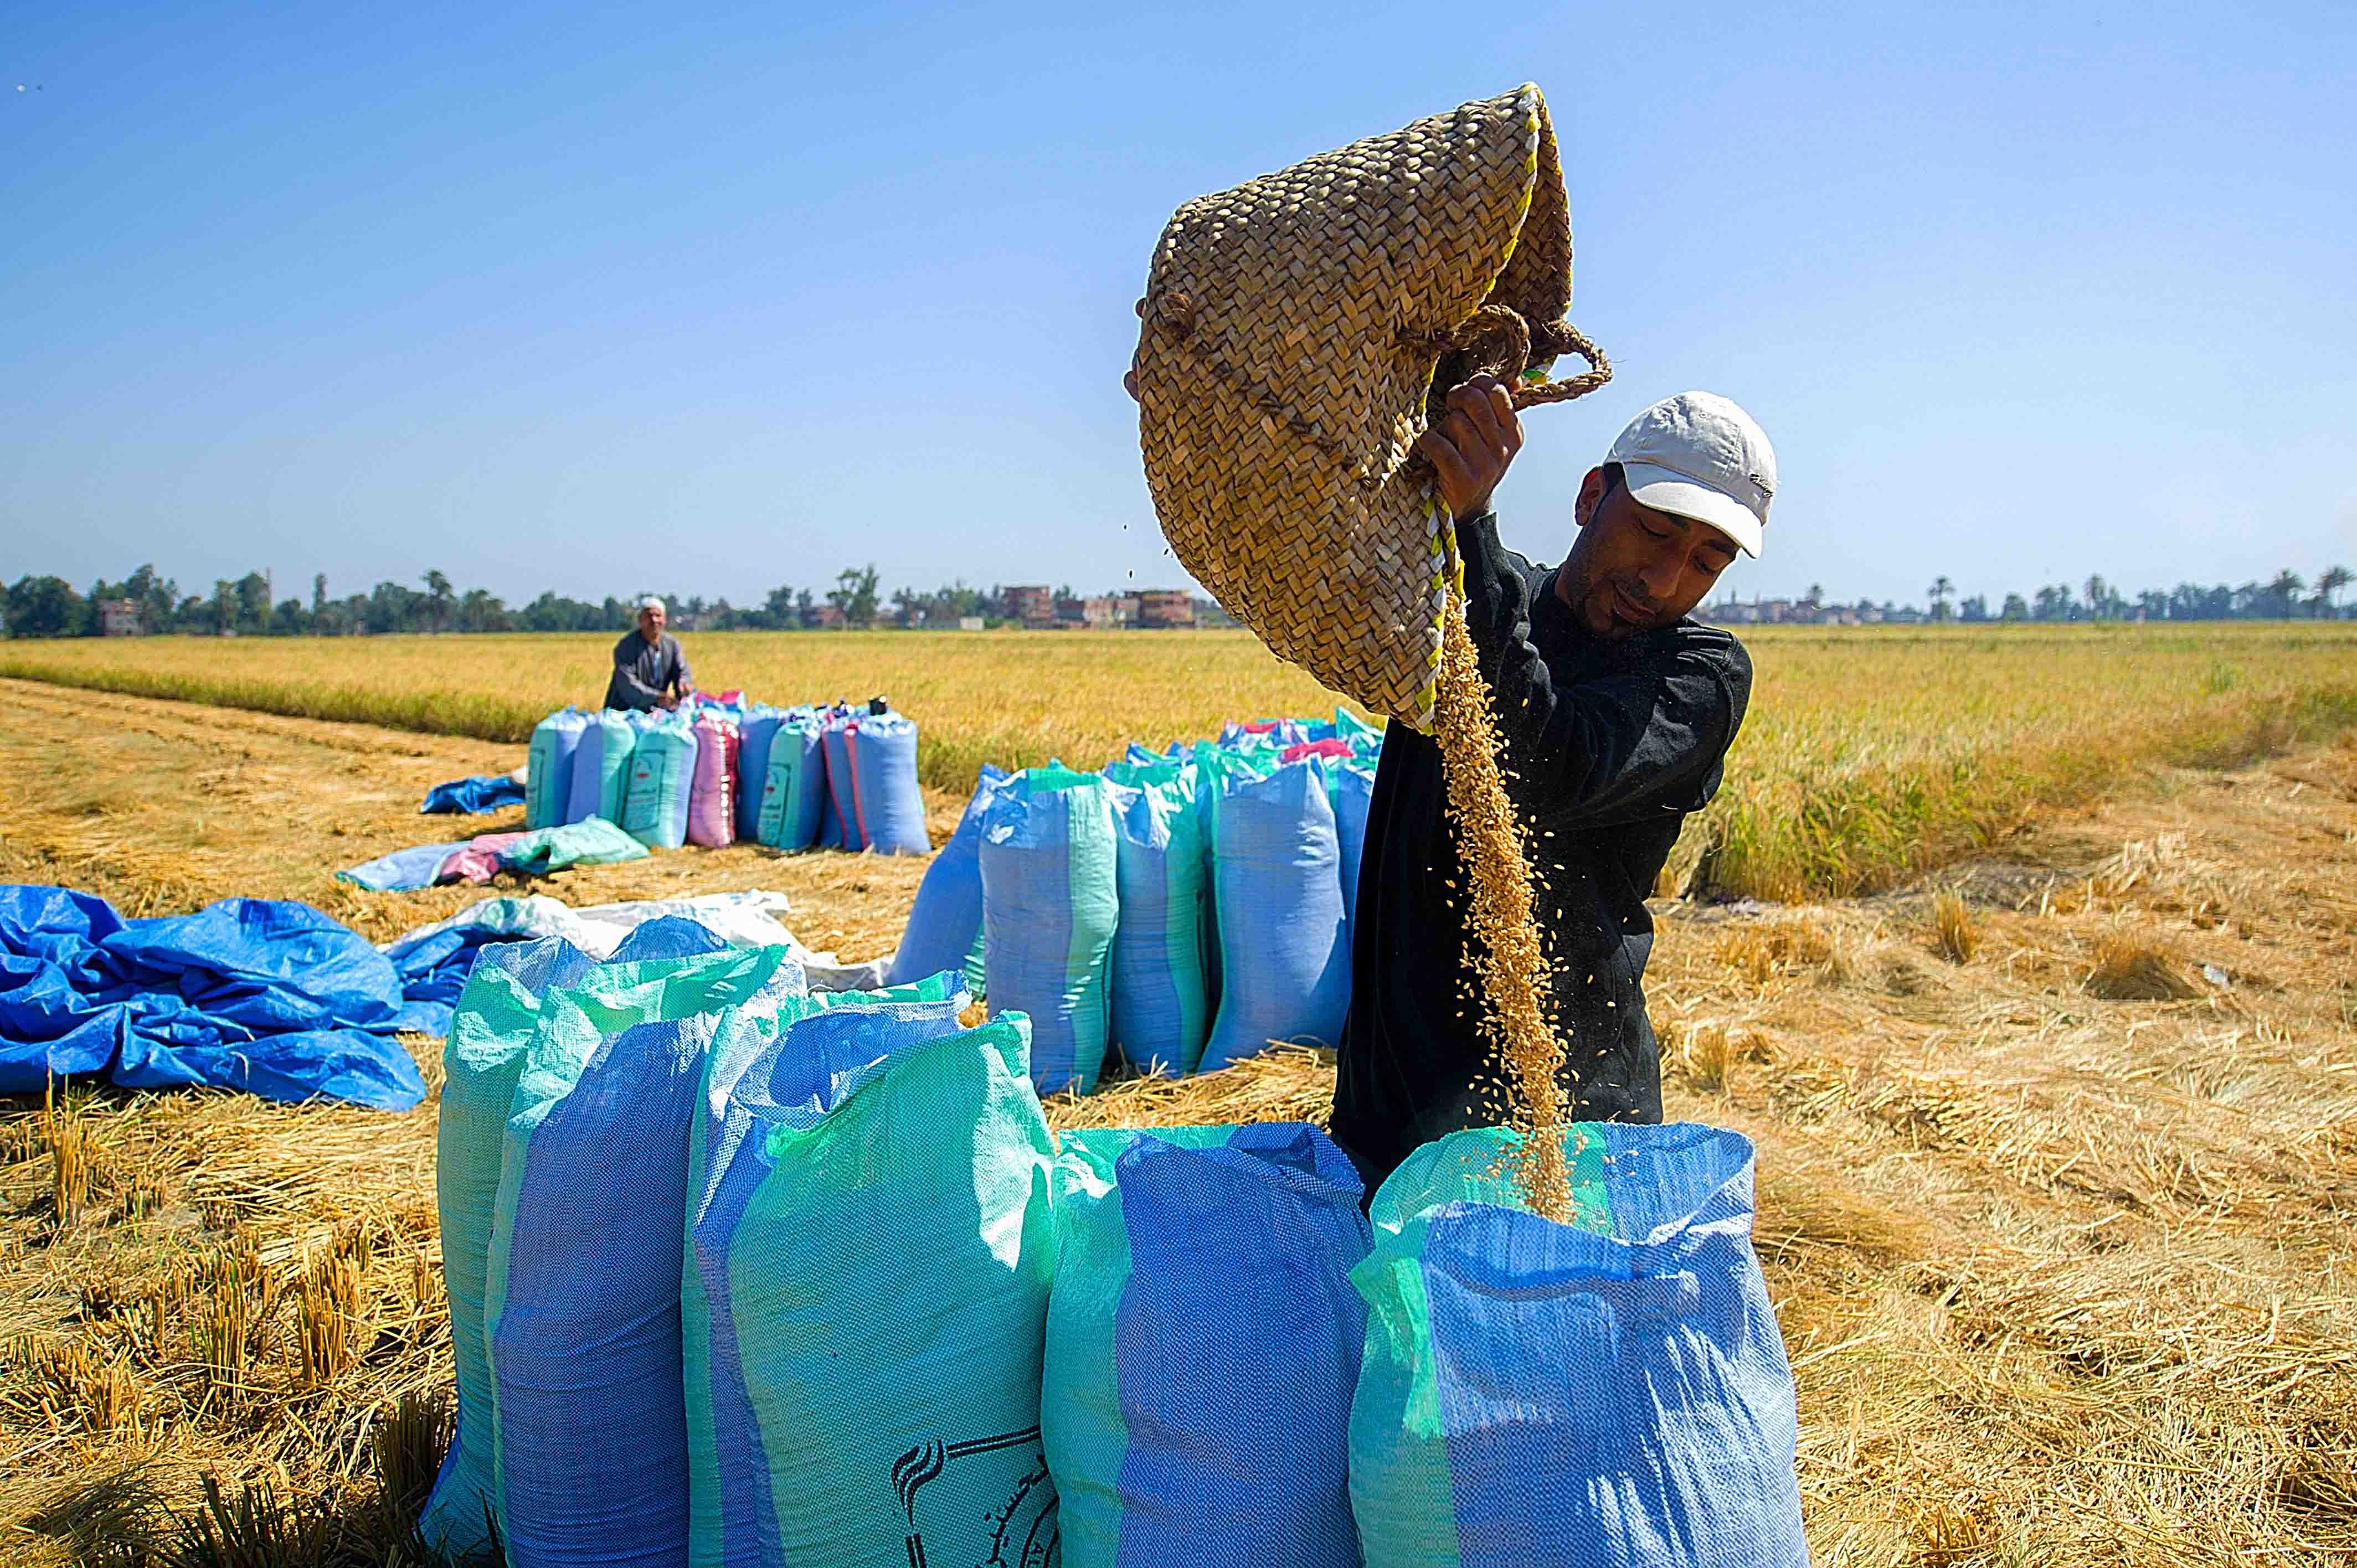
[1354,791]
[1612,1392]
[1161,996]
[756,732]
[866,1283]
[662,784]
[1203,1341]
[885,801]
[548,768]
[1285,963]
[1050,900]
[839,828]
[562,1139]
[793,784]
[944,926]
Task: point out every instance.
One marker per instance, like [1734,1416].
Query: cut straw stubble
[1503,944]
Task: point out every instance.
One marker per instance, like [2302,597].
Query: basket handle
[1497,327]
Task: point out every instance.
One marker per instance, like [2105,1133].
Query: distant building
[1125,610]
[970,623]
[1165,607]
[1098,614]
[1034,604]
[829,618]
[1071,612]
[118,617]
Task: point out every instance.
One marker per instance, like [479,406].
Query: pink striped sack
[712,798]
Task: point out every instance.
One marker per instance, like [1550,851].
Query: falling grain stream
[1502,942]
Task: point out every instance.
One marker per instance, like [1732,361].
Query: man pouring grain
[1613,709]
[649,670]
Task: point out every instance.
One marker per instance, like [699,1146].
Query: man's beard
[1580,587]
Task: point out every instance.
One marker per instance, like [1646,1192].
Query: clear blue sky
[592,297]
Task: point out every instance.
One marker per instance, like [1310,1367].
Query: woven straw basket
[1293,328]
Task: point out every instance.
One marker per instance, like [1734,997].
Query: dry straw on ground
[1953,932]
[2130,967]
[2065,1279]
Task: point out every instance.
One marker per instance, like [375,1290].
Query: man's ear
[1592,496]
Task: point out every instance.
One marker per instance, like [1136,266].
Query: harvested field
[2059,1216]
[1870,756]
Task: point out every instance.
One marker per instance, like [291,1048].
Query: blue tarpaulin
[403,871]
[435,970]
[483,792]
[268,996]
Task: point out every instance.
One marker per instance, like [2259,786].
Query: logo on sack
[1022,1534]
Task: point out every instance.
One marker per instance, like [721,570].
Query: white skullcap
[652,602]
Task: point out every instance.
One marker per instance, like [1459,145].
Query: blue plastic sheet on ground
[403,871]
[271,997]
[483,792]
[436,970]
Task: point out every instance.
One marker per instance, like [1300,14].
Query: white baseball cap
[1697,455]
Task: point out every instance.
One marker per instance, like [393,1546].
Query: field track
[1871,755]
[2058,1197]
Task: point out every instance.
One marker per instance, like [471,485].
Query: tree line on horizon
[2284,596]
[51,607]
[37,607]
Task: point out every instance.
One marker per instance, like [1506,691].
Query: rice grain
[1502,944]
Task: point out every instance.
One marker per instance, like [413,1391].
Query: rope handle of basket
[1175,318]
[1519,341]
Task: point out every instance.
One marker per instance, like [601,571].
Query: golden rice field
[1870,754]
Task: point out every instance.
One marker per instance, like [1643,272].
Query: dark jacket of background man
[648,673]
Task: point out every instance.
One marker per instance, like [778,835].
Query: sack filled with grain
[561,1188]
[1203,1339]
[869,1253]
[1285,966]
[1295,330]
[1050,900]
[1161,999]
[1611,1391]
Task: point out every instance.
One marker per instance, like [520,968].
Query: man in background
[650,671]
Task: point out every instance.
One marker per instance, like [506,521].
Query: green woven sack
[499,1016]
[866,1287]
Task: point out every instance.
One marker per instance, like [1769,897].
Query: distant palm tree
[2284,590]
[438,586]
[1940,590]
[2333,581]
